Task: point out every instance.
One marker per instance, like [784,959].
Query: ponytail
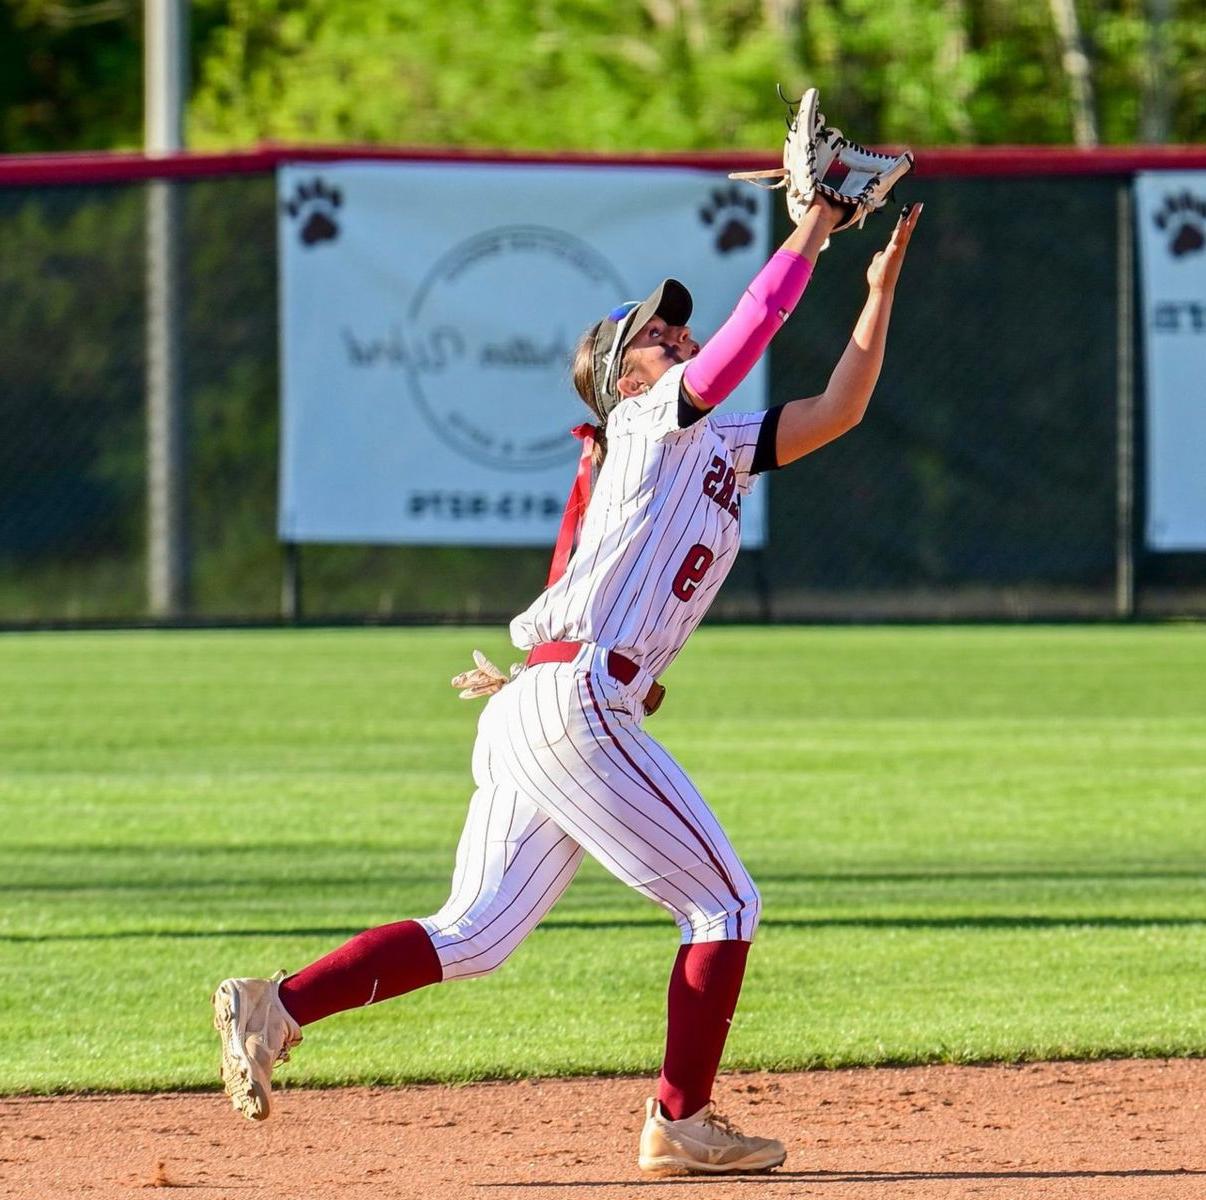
[584,384]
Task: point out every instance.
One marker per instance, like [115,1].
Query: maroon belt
[622,669]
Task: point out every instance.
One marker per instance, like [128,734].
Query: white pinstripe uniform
[562,765]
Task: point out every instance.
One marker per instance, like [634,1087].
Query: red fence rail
[17,170]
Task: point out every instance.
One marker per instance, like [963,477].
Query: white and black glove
[818,160]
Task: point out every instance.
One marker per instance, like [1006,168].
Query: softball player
[562,763]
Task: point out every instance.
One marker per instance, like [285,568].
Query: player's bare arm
[809,237]
[811,422]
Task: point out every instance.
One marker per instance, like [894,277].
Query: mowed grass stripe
[973,844]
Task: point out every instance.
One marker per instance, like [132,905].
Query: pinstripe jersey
[661,532]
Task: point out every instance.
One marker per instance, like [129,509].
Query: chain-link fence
[984,481]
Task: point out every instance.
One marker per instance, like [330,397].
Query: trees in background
[70,75]
[614,74]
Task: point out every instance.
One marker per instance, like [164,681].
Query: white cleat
[256,1034]
[702,1144]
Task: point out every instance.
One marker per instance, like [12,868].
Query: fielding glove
[484,680]
[818,160]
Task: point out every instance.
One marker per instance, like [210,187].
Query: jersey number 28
[690,575]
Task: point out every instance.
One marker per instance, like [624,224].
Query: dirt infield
[1097,1130]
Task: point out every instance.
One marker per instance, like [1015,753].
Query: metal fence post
[167,510]
[1124,590]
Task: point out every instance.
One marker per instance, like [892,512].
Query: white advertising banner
[428,316]
[1170,208]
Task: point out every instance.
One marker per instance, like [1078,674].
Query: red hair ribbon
[575,505]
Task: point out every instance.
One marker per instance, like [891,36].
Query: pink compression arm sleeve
[729,354]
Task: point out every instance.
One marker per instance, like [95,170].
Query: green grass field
[973,844]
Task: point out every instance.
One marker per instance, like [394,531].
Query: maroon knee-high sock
[704,987]
[373,966]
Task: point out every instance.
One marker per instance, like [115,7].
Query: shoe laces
[722,1123]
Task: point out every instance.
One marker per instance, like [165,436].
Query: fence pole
[1124,555]
[291,584]
[164,80]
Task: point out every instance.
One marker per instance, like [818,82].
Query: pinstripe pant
[562,767]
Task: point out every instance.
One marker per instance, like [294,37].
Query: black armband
[766,457]
[688,414]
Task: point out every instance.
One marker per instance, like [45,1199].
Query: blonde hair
[583,374]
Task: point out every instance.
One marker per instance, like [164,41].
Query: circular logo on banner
[496,320]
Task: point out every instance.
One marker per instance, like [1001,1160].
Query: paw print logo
[314,205]
[730,213]
[1183,219]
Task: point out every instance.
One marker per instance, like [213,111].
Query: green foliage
[592,74]
[668,74]
[509,73]
[972,844]
[70,75]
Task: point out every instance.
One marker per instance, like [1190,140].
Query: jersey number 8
[690,575]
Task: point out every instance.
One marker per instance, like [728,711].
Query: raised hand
[884,270]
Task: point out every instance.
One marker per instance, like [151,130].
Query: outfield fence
[998,474]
